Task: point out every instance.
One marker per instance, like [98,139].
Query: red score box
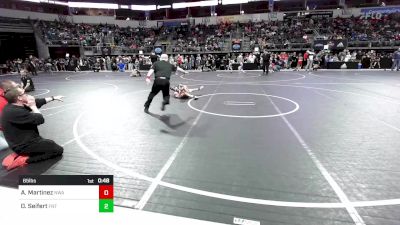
[106,192]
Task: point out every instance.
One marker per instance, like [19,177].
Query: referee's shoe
[163,104]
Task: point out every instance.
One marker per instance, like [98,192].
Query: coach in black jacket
[20,119]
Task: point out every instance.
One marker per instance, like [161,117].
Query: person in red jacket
[305,57]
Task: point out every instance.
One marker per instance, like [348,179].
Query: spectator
[396,60]
[310,61]
[26,82]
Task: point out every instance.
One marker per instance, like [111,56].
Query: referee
[162,70]
[265,58]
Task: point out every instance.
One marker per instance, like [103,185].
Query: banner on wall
[236,45]
[224,19]
[378,12]
[312,15]
[339,44]
[255,17]
[173,23]
[273,16]
[142,23]
[319,14]
[205,20]
[290,16]
[158,50]
[62,18]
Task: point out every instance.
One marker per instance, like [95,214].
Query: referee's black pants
[40,150]
[159,85]
[265,67]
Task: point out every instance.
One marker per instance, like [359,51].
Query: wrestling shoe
[8,160]
[18,162]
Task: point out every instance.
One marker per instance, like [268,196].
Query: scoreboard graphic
[69,193]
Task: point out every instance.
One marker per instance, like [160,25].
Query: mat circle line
[46,91]
[131,173]
[248,117]
[242,77]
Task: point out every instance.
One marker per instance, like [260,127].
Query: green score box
[106,205]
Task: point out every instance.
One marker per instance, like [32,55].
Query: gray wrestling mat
[288,148]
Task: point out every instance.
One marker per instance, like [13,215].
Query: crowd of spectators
[209,38]
[31,64]
[214,38]
[284,60]
[202,38]
[385,30]
[204,62]
[267,34]
[74,63]
[64,33]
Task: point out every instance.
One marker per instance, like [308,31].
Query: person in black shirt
[20,119]
[266,58]
[96,65]
[217,63]
[31,66]
[26,82]
[153,57]
[213,64]
[61,62]
[293,60]
[73,63]
[162,70]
